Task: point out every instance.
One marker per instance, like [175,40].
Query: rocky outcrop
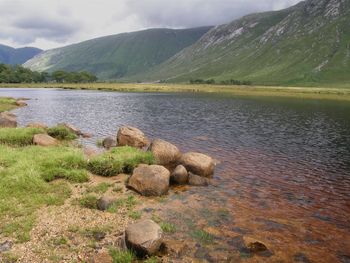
[44,140]
[179,175]
[144,237]
[37,125]
[150,180]
[7,120]
[109,142]
[196,180]
[130,136]
[198,163]
[164,152]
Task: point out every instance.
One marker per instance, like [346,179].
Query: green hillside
[13,56]
[117,56]
[307,44]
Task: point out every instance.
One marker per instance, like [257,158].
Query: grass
[334,92]
[135,215]
[7,104]
[129,203]
[88,201]
[202,236]
[18,136]
[119,160]
[122,256]
[168,227]
[26,183]
[101,188]
[61,132]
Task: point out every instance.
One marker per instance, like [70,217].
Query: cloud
[48,24]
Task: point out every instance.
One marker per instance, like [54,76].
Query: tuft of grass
[128,203]
[8,257]
[121,256]
[118,189]
[88,201]
[202,236]
[118,160]
[61,132]
[134,215]
[59,241]
[151,260]
[18,136]
[168,227]
[101,188]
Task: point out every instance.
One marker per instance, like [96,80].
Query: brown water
[284,176]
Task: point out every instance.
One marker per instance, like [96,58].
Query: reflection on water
[284,176]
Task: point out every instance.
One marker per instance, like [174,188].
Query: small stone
[179,175]
[21,103]
[5,246]
[105,202]
[109,142]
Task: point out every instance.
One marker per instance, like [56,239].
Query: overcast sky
[52,23]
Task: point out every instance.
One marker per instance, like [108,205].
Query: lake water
[284,176]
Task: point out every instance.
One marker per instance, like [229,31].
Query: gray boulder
[109,142]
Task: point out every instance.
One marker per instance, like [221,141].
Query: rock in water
[37,125]
[198,163]
[72,128]
[150,180]
[164,152]
[144,237]
[179,175]
[130,136]
[44,140]
[21,103]
[7,120]
[196,180]
[109,142]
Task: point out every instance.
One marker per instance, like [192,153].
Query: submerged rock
[174,247]
[254,245]
[144,237]
[179,175]
[150,180]
[130,136]
[109,142]
[7,120]
[164,152]
[196,180]
[44,140]
[198,163]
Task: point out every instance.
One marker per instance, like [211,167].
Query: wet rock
[44,140]
[37,125]
[150,180]
[5,246]
[71,128]
[174,247]
[86,135]
[198,163]
[102,257]
[109,142]
[256,247]
[196,180]
[164,152]
[105,202]
[130,136]
[179,175]
[144,237]
[7,120]
[21,103]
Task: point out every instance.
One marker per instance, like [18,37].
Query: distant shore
[336,93]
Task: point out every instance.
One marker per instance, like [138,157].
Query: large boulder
[44,140]
[164,152]
[197,180]
[37,125]
[130,136]
[198,163]
[144,237]
[109,142]
[7,120]
[179,175]
[150,180]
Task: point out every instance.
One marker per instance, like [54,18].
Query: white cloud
[47,24]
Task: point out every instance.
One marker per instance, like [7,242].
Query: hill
[13,56]
[118,56]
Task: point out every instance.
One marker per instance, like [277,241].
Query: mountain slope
[305,44]
[117,56]
[9,55]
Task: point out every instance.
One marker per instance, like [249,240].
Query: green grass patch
[151,260]
[101,188]
[7,104]
[122,256]
[129,203]
[202,236]
[24,183]
[61,132]
[18,136]
[88,201]
[168,227]
[119,160]
[135,215]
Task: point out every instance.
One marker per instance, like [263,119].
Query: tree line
[19,74]
[223,82]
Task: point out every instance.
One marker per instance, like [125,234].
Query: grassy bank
[7,104]
[330,92]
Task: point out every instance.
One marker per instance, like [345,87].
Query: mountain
[302,45]
[9,55]
[117,56]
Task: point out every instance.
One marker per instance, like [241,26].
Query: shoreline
[323,93]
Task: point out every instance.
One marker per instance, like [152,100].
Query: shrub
[61,132]
[18,136]
[118,160]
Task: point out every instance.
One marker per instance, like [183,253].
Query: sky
[48,24]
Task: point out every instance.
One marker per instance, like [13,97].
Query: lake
[284,172]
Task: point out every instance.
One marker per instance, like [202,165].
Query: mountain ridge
[13,56]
